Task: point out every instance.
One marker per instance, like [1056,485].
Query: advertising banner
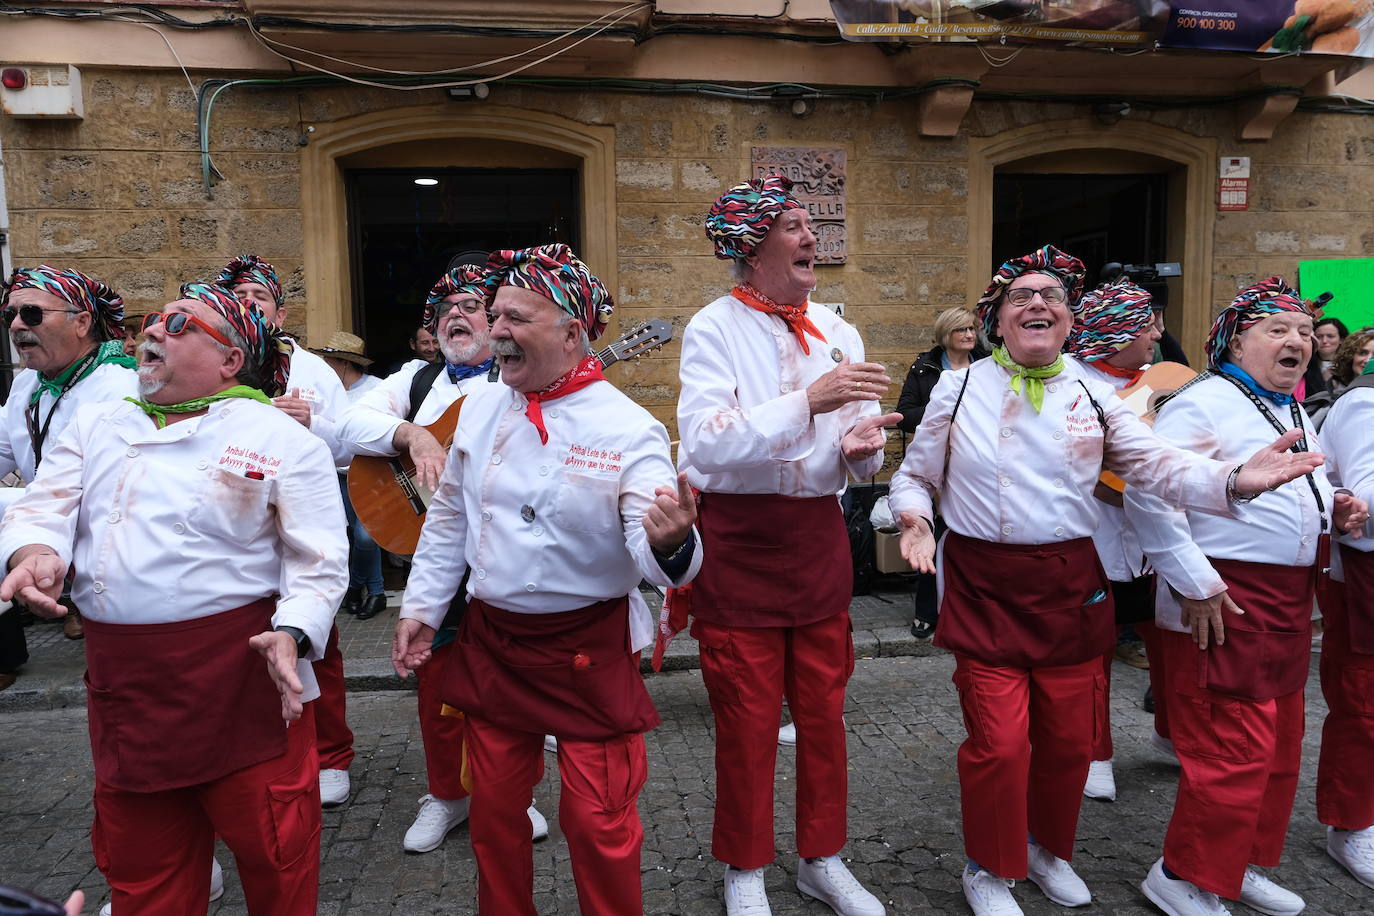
[1349,281]
[1342,27]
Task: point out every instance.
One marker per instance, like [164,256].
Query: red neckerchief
[793,315]
[1132,375]
[586,372]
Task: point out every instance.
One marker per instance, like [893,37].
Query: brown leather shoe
[71,626]
[7,679]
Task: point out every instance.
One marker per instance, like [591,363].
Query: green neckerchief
[159,411]
[1034,378]
[111,351]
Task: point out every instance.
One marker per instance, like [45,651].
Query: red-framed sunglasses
[174,323]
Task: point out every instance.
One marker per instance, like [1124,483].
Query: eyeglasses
[1050,295]
[174,323]
[32,314]
[466,306]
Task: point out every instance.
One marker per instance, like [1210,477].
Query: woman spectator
[1350,359]
[956,345]
[1326,339]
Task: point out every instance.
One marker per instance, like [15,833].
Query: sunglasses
[32,314]
[175,323]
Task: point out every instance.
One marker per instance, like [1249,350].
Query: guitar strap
[420,385]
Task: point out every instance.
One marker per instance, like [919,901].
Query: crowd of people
[194,506]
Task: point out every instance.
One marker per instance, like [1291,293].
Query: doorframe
[1191,201]
[324,200]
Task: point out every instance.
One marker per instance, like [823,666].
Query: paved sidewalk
[904,729]
[52,677]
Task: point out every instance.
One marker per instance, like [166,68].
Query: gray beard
[460,356]
[149,386]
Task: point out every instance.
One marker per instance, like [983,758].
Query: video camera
[1141,273]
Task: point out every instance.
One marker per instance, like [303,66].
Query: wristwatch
[298,635]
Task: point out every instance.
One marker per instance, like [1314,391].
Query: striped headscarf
[467,278]
[742,216]
[271,347]
[1113,315]
[555,273]
[1048,260]
[249,268]
[79,291]
[1251,306]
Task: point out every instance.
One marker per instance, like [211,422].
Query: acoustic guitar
[390,501]
[1155,383]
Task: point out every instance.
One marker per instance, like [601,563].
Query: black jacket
[920,382]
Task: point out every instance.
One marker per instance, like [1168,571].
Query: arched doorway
[472,136]
[1180,167]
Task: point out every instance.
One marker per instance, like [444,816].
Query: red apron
[179,704]
[569,674]
[771,561]
[1025,605]
[1359,603]
[1268,649]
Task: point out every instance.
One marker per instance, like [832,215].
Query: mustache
[506,347]
[24,337]
[150,348]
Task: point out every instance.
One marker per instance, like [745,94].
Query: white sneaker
[1179,898]
[829,881]
[1101,782]
[1055,877]
[551,744]
[1354,850]
[787,735]
[744,893]
[1163,745]
[334,788]
[436,818]
[216,887]
[1259,893]
[538,824]
[988,894]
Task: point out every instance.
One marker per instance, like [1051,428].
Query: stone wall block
[1282,187]
[641,179]
[888,230]
[140,284]
[198,233]
[61,235]
[146,236]
[882,182]
[274,234]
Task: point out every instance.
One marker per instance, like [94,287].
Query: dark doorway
[404,233]
[1097,218]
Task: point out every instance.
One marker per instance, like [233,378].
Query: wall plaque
[818,176]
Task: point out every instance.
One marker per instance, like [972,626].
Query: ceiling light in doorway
[426,182]
[474,91]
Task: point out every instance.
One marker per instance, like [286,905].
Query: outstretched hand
[410,645]
[671,517]
[1274,465]
[917,543]
[280,651]
[867,438]
[35,580]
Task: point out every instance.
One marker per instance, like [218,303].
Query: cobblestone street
[904,728]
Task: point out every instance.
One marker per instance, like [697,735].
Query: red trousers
[1031,733]
[334,739]
[747,672]
[1240,762]
[1159,674]
[1103,749]
[1345,790]
[442,735]
[597,812]
[154,848]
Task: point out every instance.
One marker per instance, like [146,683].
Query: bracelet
[1231,493]
[668,558]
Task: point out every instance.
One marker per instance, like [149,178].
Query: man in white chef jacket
[66,329]
[315,398]
[389,420]
[559,496]
[207,534]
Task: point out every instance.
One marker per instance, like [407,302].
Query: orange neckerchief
[586,372]
[1133,375]
[793,315]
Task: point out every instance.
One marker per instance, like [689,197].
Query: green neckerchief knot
[159,411]
[1033,378]
[111,351]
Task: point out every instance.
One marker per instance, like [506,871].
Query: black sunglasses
[32,314]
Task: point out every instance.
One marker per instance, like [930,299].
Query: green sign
[1350,281]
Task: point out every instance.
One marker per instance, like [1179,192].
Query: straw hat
[345,346]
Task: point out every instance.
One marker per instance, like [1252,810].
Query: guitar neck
[607,357]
